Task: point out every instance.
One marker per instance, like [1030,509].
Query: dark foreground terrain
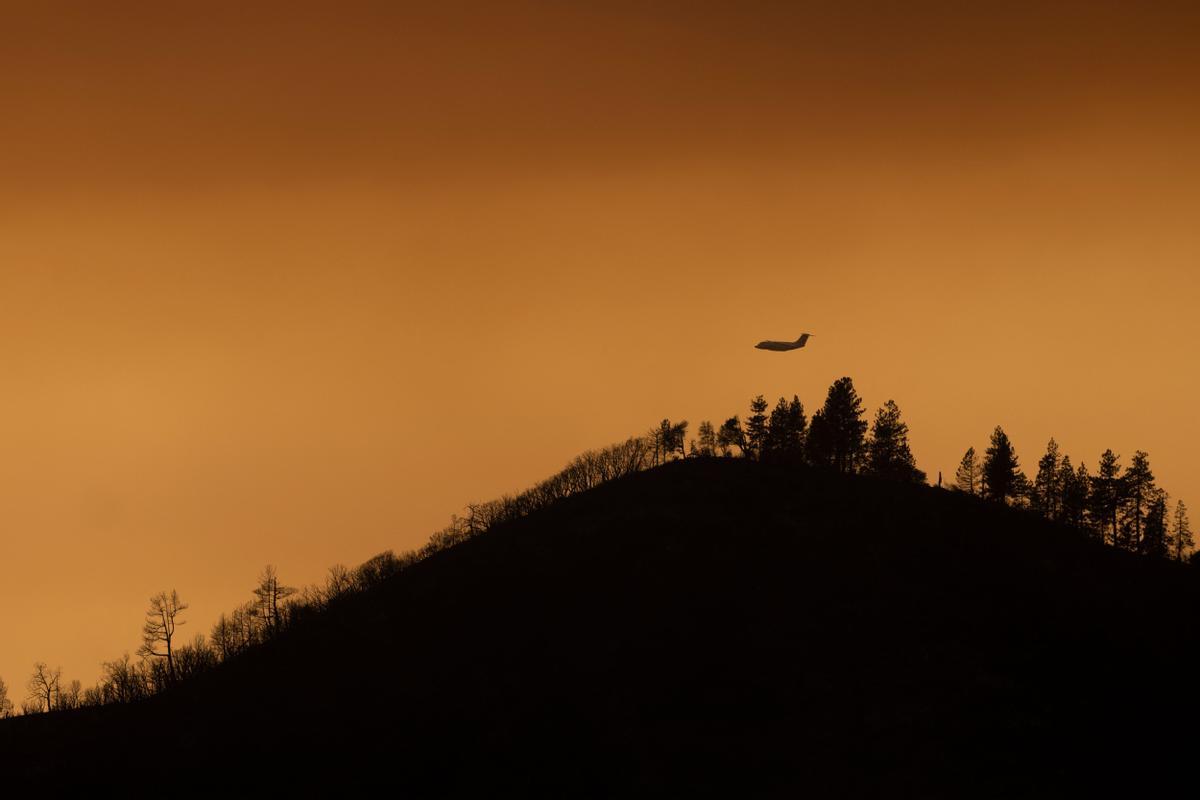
[709,627]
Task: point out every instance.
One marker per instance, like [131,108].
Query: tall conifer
[888,451]
[1002,479]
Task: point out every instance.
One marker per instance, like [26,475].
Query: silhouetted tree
[1022,491]
[888,452]
[732,435]
[1046,497]
[798,426]
[1181,532]
[224,637]
[159,630]
[1073,485]
[1002,478]
[1153,541]
[676,444]
[756,427]
[70,696]
[775,439]
[93,696]
[338,582]
[1139,492]
[668,441]
[245,624]
[818,446]
[271,596]
[842,436]
[376,569]
[194,658]
[123,681]
[967,477]
[706,440]
[785,431]
[1105,497]
[6,705]
[43,686]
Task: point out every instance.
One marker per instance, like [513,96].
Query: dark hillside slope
[711,625]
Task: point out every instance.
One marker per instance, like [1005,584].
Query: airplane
[783,346]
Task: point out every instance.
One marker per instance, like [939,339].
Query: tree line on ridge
[1122,508]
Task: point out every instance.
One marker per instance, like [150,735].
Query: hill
[709,626]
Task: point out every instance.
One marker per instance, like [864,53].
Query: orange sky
[292,286]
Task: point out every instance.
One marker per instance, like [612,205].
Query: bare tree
[43,686]
[338,582]
[271,596]
[158,633]
[92,696]
[224,638]
[195,657]
[376,569]
[70,696]
[6,705]
[123,681]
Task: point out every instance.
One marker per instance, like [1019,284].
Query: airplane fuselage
[780,347]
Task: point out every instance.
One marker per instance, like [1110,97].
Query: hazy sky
[292,285]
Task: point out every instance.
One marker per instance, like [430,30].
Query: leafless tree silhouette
[271,597]
[158,633]
[6,706]
[43,686]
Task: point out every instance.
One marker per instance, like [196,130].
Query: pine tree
[967,477]
[819,444]
[778,436]
[1105,497]
[1083,486]
[1181,532]
[845,429]
[1046,497]
[731,435]
[1073,493]
[1138,495]
[888,452]
[797,427]
[756,427]
[668,439]
[1022,492]
[1153,541]
[706,440]
[1002,478]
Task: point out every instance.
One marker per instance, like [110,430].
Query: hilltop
[710,625]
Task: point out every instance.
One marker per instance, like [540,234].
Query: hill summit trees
[888,453]
[1002,478]
[1123,508]
[837,437]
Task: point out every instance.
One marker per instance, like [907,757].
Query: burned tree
[271,596]
[44,686]
[159,631]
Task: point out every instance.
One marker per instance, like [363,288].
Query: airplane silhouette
[782,346]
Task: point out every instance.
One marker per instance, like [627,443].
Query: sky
[290,285]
